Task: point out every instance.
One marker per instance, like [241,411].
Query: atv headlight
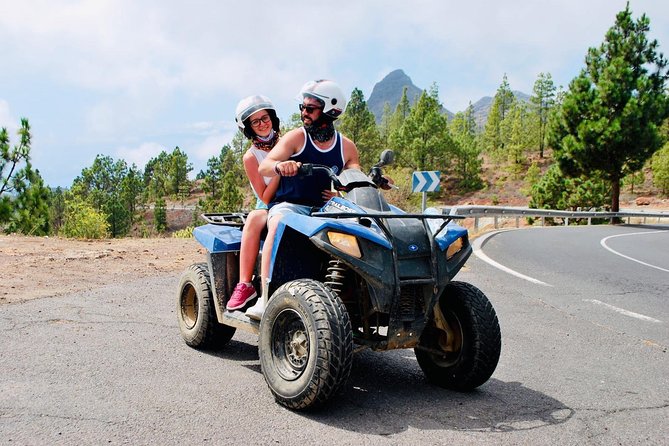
[454,248]
[346,243]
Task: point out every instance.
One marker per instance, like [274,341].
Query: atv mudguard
[218,238]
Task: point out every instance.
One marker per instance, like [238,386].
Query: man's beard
[322,129]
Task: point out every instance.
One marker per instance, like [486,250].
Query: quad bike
[359,272]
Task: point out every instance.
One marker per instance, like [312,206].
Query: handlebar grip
[306,169]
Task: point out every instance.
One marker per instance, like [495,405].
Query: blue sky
[129,79]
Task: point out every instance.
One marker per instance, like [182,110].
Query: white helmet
[328,93]
[249,106]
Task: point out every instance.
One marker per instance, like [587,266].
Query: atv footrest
[428,281]
[239,320]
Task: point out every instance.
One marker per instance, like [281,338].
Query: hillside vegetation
[599,144]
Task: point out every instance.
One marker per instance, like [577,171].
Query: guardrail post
[543,221]
[589,221]
[566,221]
[495,219]
[517,222]
[476,224]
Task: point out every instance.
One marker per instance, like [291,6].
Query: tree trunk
[615,195]
[615,199]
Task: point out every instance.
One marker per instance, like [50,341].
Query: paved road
[109,367]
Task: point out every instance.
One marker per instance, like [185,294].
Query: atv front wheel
[305,344]
[195,310]
[459,348]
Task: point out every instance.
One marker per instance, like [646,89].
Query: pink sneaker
[242,294]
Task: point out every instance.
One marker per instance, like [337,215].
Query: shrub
[83,221]
[184,233]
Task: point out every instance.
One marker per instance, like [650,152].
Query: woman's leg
[255,312]
[248,254]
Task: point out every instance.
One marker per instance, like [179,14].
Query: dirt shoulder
[33,267]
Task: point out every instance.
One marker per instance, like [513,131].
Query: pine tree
[31,205]
[24,199]
[494,136]
[466,150]
[428,144]
[178,170]
[505,98]
[359,125]
[516,136]
[610,117]
[223,181]
[160,215]
[542,100]
[385,125]
[396,140]
[231,197]
[492,132]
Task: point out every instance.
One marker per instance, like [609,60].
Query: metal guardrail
[498,212]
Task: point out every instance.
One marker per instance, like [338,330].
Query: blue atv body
[357,272]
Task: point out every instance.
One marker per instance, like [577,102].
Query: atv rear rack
[226,219]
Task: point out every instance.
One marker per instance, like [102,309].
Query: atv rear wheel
[459,348]
[198,324]
[305,344]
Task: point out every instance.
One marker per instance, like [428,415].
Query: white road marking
[476,245]
[623,311]
[603,243]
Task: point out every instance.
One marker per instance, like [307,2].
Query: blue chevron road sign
[425,181]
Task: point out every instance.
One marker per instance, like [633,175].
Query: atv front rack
[377,217]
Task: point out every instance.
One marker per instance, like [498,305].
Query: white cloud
[211,128]
[141,154]
[210,146]
[7,121]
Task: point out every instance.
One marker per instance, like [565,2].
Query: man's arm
[289,144]
[351,158]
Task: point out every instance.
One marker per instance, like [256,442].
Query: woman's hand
[328,194]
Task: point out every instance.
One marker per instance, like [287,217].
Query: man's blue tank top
[307,190]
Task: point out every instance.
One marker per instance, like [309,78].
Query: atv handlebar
[375,175]
[307,169]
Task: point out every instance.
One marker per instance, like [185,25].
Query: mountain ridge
[389,89]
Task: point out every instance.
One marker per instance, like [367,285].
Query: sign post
[425,181]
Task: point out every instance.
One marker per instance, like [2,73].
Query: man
[316,142]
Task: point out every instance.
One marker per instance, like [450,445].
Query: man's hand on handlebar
[286,168]
[387,183]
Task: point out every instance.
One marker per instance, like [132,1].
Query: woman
[257,119]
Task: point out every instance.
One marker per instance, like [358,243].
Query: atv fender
[309,226]
[218,238]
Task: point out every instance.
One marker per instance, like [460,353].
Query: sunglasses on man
[309,108]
